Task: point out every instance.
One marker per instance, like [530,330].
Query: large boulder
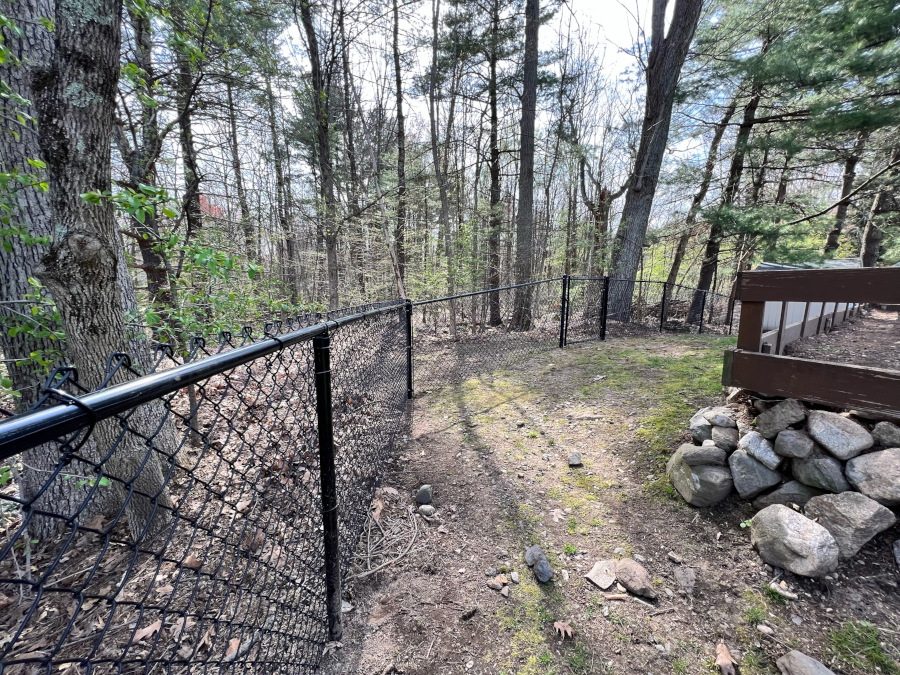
[720,416]
[840,436]
[780,417]
[787,539]
[851,517]
[760,449]
[793,443]
[699,485]
[725,437]
[820,471]
[877,475]
[887,435]
[701,428]
[750,476]
[798,663]
[697,455]
[792,492]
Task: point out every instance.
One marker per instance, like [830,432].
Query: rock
[686,578]
[840,436]
[798,663]
[785,538]
[821,471]
[514,577]
[720,417]
[542,570]
[423,496]
[725,437]
[780,417]
[792,492]
[887,435]
[602,574]
[532,555]
[792,443]
[760,449]
[545,457]
[851,518]
[897,552]
[674,557]
[633,576]
[504,591]
[701,429]
[491,572]
[709,443]
[764,629]
[427,510]
[520,423]
[695,455]
[575,459]
[618,550]
[698,485]
[750,476]
[877,475]
[494,585]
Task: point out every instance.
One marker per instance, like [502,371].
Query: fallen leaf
[558,515]
[165,590]
[233,646]
[5,601]
[723,659]
[563,628]
[192,562]
[149,630]
[206,640]
[180,628]
[390,491]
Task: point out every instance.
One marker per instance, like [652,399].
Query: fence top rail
[875,285]
[30,429]
[488,290]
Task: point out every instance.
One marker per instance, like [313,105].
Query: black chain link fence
[174,523]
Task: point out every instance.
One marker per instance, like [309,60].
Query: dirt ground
[495,449]
[871,340]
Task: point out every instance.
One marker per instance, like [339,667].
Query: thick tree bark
[840,216]
[495,219]
[328,203]
[75,100]
[710,260]
[522,310]
[668,51]
[243,204]
[884,202]
[399,230]
[697,201]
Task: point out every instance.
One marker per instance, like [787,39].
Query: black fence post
[328,478]
[562,311]
[702,310]
[604,305]
[662,308]
[409,349]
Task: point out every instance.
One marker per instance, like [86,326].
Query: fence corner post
[409,348]
[328,478]
[562,311]
[604,306]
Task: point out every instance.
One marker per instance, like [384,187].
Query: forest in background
[176,168]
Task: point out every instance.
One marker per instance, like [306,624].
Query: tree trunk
[667,55]
[399,236]
[716,231]
[495,220]
[697,201]
[75,99]
[522,310]
[840,216]
[328,205]
[243,204]
[873,236]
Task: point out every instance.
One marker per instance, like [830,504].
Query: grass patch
[857,645]
[755,608]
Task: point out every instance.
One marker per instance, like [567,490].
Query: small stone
[621,588]
[542,570]
[515,577]
[780,417]
[877,475]
[764,629]
[423,496]
[491,572]
[532,555]
[787,539]
[674,557]
[494,585]
[750,476]
[427,510]
[575,459]
[520,423]
[470,664]
[887,435]
[798,663]
[821,471]
[797,620]
[686,578]
[618,550]
[760,449]
[545,457]
[852,518]
[633,576]
[720,417]
[639,558]
[793,443]
[602,574]
[792,492]
[504,591]
[840,436]
[725,437]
